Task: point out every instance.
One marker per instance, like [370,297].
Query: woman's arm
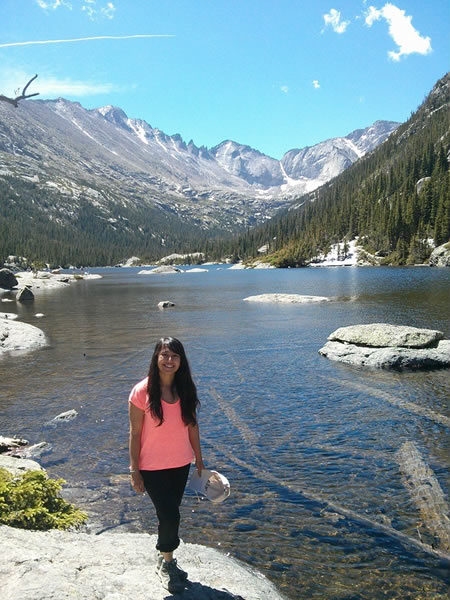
[136,420]
[194,438]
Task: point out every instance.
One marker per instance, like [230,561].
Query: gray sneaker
[181,574]
[168,574]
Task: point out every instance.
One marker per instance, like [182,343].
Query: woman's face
[168,361]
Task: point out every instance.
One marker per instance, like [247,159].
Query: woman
[164,440]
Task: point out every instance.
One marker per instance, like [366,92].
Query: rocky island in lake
[388,347]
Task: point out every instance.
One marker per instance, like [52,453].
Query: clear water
[297,435]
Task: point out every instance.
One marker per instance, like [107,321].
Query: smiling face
[168,361]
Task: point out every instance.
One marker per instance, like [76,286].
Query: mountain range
[394,202]
[136,181]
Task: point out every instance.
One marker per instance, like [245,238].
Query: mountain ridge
[150,190]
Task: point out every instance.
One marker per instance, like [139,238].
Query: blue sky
[273,74]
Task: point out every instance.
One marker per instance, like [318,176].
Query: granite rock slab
[20,337]
[383,335]
[54,565]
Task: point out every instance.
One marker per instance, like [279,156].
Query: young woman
[164,440]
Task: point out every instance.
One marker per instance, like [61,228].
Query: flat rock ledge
[286,298]
[383,335]
[18,466]
[385,346]
[53,565]
[20,337]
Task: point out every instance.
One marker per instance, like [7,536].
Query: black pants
[166,489]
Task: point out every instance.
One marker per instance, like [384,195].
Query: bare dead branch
[23,95]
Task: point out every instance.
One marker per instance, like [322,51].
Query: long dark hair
[183,384]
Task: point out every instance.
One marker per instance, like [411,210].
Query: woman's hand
[199,465]
[137,483]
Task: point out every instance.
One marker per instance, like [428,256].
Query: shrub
[32,501]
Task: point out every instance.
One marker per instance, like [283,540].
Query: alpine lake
[318,501]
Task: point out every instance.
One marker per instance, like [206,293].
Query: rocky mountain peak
[114,115]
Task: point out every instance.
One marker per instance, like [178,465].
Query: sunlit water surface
[296,434]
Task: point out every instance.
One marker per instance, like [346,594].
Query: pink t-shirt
[166,446]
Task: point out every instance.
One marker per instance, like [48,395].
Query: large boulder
[20,337]
[52,565]
[389,358]
[25,294]
[440,257]
[7,279]
[18,466]
[132,261]
[16,263]
[7,443]
[382,335]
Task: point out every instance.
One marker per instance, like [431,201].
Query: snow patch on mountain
[344,254]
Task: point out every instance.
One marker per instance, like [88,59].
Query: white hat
[210,484]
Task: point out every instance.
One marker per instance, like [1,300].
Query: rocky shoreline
[17,337]
[54,564]
[50,565]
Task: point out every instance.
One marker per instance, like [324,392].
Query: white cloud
[333,18]
[401,30]
[373,14]
[108,10]
[316,84]
[91,8]
[51,86]
[53,4]
[284,89]
[94,11]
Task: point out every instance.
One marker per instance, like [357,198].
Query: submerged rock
[65,416]
[286,298]
[33,451]
[53,565]
[381,335]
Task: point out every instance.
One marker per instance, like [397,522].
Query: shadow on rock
[197,591]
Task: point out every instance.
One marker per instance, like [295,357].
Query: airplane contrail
[98,37]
